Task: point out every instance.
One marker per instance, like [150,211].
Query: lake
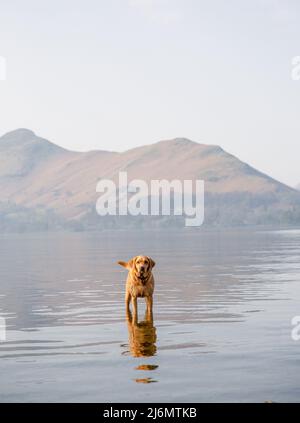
[222,328]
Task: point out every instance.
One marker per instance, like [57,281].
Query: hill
[44,186]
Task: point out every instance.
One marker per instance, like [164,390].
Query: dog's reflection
[142,336]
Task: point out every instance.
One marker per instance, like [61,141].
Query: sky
[115,74]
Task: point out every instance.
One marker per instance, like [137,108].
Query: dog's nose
[142,268]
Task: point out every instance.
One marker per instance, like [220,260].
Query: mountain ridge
[179,141]
[37,175]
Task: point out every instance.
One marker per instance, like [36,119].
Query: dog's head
[140,265]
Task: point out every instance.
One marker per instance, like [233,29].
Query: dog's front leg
[127,302]
[149,304]
[135,310]
[128,315]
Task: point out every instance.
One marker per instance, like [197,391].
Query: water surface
[223,306]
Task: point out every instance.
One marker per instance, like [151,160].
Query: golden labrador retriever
[140,283]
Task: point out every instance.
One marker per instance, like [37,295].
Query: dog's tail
[122,263]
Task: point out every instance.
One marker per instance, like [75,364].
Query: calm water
[222,318]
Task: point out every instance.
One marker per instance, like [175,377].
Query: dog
[140,283]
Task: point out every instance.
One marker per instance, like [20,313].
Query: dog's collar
[143,279]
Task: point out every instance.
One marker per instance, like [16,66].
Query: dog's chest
[140,290]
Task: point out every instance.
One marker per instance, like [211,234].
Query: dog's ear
[129,265]
[152,262]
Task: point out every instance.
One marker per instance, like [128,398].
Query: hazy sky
[114,74]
